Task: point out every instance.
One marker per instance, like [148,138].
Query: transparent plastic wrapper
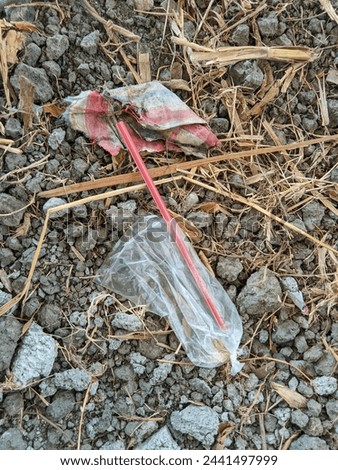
[146,267]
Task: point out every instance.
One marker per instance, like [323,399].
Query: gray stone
[127,321]
[144,5]
[10,329]
[117,445]
[56,138]
[79,167]
[13,128]
[199,422]
[299,418]
[52,68]
[326,365]
[80,211]
[13,404]
[160,440]
[268,25]
[201,386]
[306,442]
[310,125]
[50,317]
[13,207]
[35,357]
[314,407]
[138,362]
[56,46]
[325,385]
[161,372]
[200,219]
[314,353]
[332,106]
[32,54]
[247,74]
[54,202]
[220,125]
[12,439]
[332,409]
[313,214]
[90,42]
[301,344]
[261,294]
[47,387]
[334,175]
[270,423]
[189,202]
[229,268]
[6,257]
[14,161]
[62,404]
[72,379]
[39,79]
[285,331]
[240,36]
[315,427]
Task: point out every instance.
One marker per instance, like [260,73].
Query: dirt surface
[80,367]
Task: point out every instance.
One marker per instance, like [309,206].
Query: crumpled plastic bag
[157,119]
[146,267]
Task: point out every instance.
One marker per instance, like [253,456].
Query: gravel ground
[81,367]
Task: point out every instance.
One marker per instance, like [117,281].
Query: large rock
[39,79]
[12,440]
[160,440]
[306,442]
[200,422]
[13,207]
[35,357]
[262,294]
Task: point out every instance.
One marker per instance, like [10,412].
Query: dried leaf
[212,208]
[26,326]
[23,229]
[144,67]
[177,84]
[187,227]
[54,109]
[292,398]
[26,101]
[224,429]
[14,42]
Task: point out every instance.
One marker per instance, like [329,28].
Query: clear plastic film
[146,267]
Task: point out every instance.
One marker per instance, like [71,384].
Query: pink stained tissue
[156,118]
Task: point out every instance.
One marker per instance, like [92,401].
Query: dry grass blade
[18,25]
[170,169]
[254,205]
[4,67]
[26,101]
[231,55]
[14,42]
[327,6]
[292,398]
[144,67]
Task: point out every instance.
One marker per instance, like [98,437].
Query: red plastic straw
[125,135]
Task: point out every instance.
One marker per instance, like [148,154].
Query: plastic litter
[147,268]
[138,117]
